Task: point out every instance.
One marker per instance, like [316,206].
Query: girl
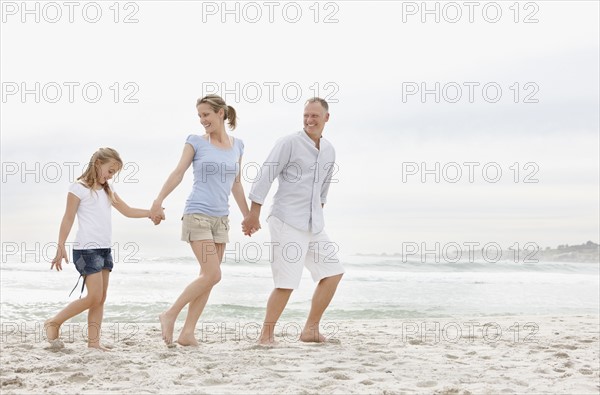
[91,199]
[217,160]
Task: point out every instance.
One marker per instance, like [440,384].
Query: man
[303,163]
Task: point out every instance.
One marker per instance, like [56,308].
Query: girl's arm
[129,212]
[238,193]
[65,229]
[156,212]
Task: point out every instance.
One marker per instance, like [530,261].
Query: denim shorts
[92,261]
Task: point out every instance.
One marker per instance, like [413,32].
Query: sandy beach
[471,355]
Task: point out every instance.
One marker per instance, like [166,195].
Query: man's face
[315,118]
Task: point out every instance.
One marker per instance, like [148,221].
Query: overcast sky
[513,90]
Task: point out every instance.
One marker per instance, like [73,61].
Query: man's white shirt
[304,174]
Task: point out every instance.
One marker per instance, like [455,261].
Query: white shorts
[292,249]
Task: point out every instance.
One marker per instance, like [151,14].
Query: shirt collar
[307,137]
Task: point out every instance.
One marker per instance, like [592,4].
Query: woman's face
[211,120]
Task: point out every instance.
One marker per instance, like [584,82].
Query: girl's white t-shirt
[94,218]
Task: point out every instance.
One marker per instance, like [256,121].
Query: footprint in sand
[522,383]
[267,362]
[561,355]
[55,345]
[340,376]
[263,346]
[24,370]
[328,369]
[78,378]
[215,381]
[426,384]
[567,346]
[25,346]
[586,371]
[450,356]
[17,382]
[451,391]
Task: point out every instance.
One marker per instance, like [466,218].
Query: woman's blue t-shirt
[215,170]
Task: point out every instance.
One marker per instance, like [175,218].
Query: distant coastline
[588,252]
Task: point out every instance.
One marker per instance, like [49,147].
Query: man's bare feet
[167,326]
[52,330]
[187,340]
[267,335]
[312,335]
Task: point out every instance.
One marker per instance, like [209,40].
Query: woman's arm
[65,228]
[238,193]
[174,179]
[129,212]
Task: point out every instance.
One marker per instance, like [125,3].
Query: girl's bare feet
[52,330]
[98,347]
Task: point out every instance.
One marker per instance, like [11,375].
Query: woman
[217,159]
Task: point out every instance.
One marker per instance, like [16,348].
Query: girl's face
[106,171]
[211,120]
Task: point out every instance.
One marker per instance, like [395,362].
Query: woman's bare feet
[187,340]
[167,326]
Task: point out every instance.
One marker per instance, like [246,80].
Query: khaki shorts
[204,227]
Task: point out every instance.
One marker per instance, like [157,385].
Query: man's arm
[328,180]
[278,159]
[251,223]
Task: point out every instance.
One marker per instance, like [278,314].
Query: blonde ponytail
[217,103]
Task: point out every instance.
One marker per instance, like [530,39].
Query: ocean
[375,288]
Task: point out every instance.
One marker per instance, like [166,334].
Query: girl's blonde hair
[100,157]
[216,103]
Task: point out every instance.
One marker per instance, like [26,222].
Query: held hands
[157,213]
[61,254]
[250,225]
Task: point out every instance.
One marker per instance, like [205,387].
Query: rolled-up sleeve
[327,182]
[273,166]
[330,168]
